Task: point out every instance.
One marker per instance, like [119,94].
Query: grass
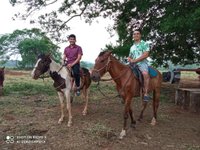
[24,85]
[32,105]
[21,93]
[99,130]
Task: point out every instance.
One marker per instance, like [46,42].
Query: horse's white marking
[56,67]
[61,97]
[122,134]
[63,72]
[65,75]
[33,72]
[153,121]
[67,95]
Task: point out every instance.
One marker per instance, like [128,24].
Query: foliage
[172,26]
[86,64]
[28,44]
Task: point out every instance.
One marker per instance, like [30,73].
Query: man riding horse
[139,52]
[72,57]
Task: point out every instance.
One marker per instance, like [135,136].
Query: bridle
[106,66]
[118,77]
[107,69]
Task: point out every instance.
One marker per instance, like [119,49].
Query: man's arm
[141,58]
[77,60]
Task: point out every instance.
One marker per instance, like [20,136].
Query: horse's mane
[119,61]
[102,53]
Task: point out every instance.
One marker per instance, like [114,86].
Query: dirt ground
[35,118]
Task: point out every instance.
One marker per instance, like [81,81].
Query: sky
[92,38]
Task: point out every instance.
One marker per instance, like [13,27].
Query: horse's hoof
[153,121]
[69,124]
[84,113]
[60,120]
[133,125]
[122,134]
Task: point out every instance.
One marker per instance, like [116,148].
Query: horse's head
[2,71]
[41,66]
[1,76]
[101,65]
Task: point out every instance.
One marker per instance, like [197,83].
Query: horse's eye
[102,61]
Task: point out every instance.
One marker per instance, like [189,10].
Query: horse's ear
[49,55]
[3,67]
[109,52]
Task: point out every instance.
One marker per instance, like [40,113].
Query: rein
[59,86]
[119,93]
[118,77]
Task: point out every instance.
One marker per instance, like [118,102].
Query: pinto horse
[1,80]
[62,82]
[127,85]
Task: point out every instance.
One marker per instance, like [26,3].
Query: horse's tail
[85,78]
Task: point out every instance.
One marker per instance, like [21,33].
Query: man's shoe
[78,93]
[146,98]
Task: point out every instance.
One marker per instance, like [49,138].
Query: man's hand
[69,65]
[130,60]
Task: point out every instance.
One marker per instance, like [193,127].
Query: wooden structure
[193,70]
[188,98]
[188,93]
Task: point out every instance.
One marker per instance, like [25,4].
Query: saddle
[136,71]
[83,72]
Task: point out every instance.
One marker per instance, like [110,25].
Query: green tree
[172,25]
[28,44]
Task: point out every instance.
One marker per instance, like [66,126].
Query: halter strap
[109,60]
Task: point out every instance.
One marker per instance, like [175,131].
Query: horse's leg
[85,94]
[126,111]
[72,95]
[133,122]
[61,98]
[67,94]
[156,99]
[144,105]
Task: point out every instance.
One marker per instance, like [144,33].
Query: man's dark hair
[138,30]
[72,36]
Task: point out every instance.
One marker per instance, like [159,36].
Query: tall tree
[172,25]
[28,44]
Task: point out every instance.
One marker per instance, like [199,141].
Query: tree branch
[77,15]
[39,7]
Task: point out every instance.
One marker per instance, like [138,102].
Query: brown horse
[62,82]
[1,80]
[127,85]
